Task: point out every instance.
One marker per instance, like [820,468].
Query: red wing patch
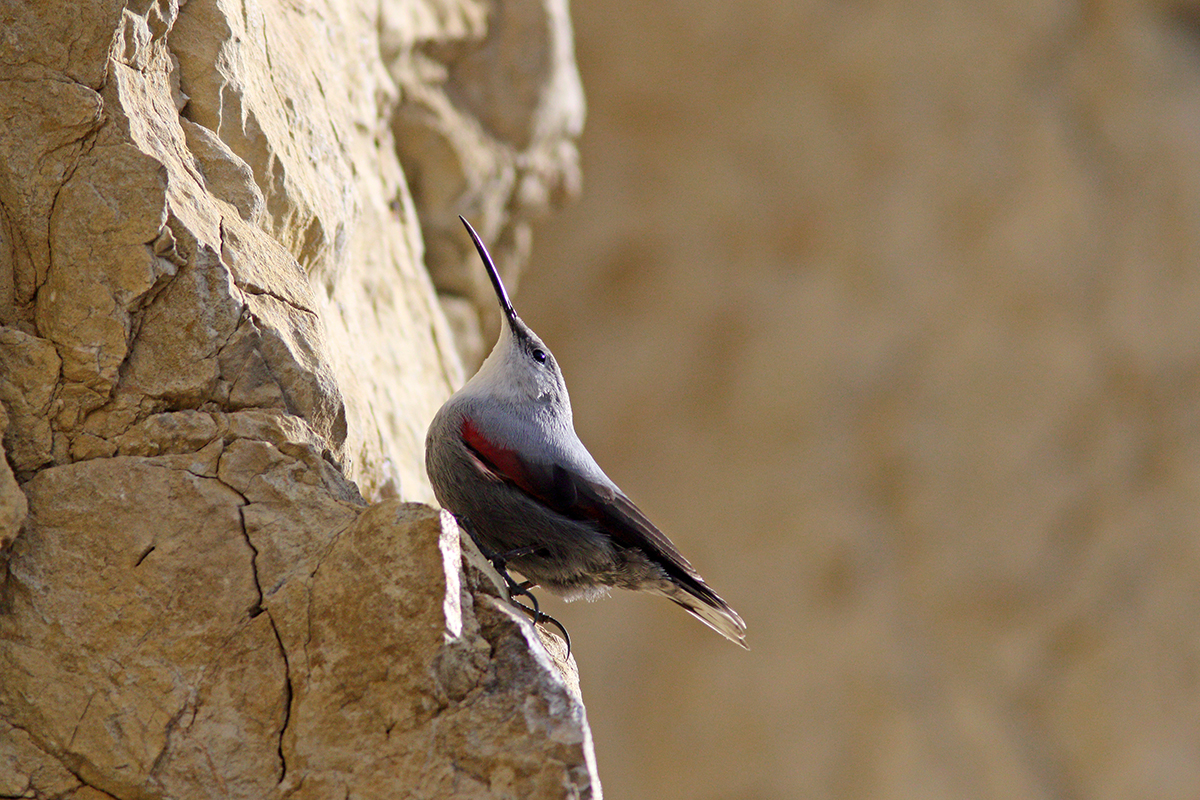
[502,464]
[578,498]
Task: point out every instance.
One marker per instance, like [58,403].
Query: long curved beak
[501,294]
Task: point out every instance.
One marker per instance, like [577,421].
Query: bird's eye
[539,356]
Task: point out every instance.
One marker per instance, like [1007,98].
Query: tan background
[889,315]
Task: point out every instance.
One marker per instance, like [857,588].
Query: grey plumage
[502,455]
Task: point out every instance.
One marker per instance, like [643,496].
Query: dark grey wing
[580,498]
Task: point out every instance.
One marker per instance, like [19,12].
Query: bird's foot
[499,562]
[515,589]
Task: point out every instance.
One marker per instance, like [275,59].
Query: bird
[503,456]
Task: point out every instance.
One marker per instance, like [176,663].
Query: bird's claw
[540,616]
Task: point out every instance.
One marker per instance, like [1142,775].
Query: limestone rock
[26,769]
[29,369]
[415,695]
[130,599]
[13,505]
[275,609]
[218,342]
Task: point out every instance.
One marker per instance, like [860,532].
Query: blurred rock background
[888,314]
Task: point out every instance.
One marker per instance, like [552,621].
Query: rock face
[219,350]
[888,314]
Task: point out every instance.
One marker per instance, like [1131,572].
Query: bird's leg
[518,589]
[499,562]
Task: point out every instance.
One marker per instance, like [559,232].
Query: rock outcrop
[219,350]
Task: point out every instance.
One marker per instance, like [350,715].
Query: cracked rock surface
[219,351]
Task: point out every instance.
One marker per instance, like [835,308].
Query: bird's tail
[713,612]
